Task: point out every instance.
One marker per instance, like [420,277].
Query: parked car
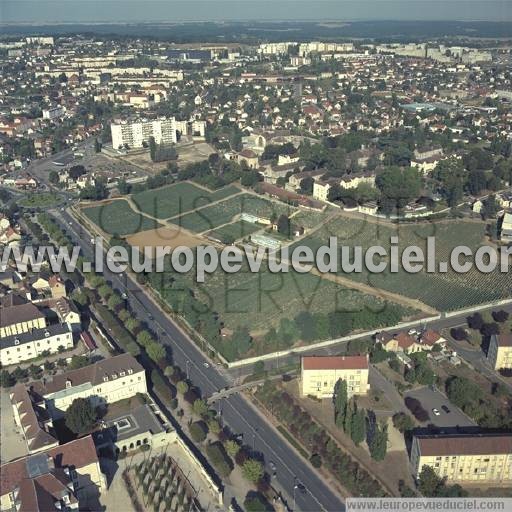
[445,409]
[436,412]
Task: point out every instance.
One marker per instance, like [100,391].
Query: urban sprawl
[253,391]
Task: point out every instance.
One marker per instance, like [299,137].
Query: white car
[436,412]
[206,365]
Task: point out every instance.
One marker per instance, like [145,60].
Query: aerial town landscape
[254,391]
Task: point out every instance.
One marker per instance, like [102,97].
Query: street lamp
[295,487]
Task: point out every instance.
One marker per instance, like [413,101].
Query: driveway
[435,399]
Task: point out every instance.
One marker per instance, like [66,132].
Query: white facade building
[134,134]
[28,345]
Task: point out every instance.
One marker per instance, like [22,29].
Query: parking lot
[431,399]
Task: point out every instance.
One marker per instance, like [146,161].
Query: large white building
[135,134]
[33,343]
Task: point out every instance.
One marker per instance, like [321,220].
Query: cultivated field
[229,233]
[260,300]
[211,217]
[443,291]
[117,217]
[167,202]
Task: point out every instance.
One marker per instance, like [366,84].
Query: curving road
[237,412]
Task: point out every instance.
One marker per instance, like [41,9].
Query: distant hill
[250,32]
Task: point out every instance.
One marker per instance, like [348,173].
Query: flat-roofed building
[499,353]
[477,458]
[319,375]
[136,134]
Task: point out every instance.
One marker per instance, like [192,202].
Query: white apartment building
[28,345]
[53,112]
[135,134]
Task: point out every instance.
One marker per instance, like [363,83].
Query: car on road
[124,295]
[436,412]
[445,409]
[272,466]
[206,365]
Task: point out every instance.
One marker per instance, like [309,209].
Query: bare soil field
[164,236]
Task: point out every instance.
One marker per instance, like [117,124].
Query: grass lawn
[234,231]
[40,200]
[443,291]
[172,200]
[118,218]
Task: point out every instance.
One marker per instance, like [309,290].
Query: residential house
[66,477]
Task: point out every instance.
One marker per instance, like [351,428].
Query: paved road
[434,399]
[236,411]
[476,358]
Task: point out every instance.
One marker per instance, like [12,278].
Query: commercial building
[28,345]
[480,458]
[499,353]
[65,478]
[137,134]
[319,375]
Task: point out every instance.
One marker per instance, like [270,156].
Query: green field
[118,218]
[231,232]
[40,200]
[213,216]
[443,291]
[167,202]
[260,300]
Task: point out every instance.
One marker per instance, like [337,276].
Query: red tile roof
[78,453]
[335,362]
[478,444]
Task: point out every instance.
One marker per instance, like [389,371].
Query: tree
[428,481]
[378,443]
[79,362]
[6,379]
[284,225]
[155,351]
[398,187]
[114,301]
[490,207]
[81,416]
[53,176]
[252,470]
[144,338]
[152,148]
[358,425]
[200,407]
[340,402]
[232,447]
[198,431]
[306,185]
[403,422]
[182,387]
[500,316]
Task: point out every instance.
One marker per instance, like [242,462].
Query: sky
[73,11]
